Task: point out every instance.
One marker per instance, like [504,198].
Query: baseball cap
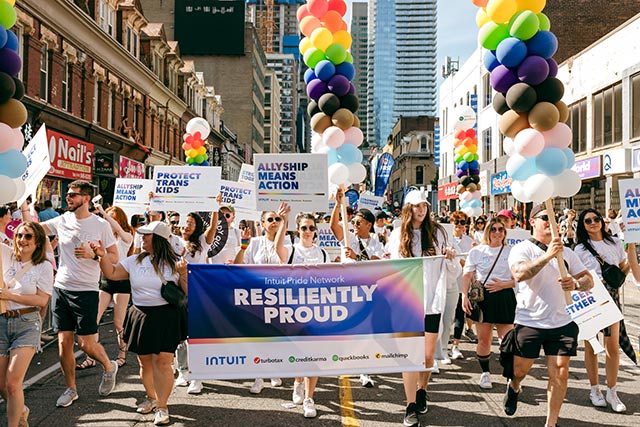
[537,209]
[415,197]
[156,227]
[229,208]
[507,213]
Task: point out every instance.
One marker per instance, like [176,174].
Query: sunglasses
[305,228]
[174,222]
[479,222]
[459,222]
[497,229]
[595,220]
[276,219]
[357,223]
[545,218]
[227,215]
[27,236]
[71,195]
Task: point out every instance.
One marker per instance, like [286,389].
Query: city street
[455,398]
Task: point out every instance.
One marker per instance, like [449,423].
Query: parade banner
[517,235]
[185,188]
[38,163]
[630,206]
[383,172]
[261,321]
[242,197]
[371,202]
[327,241]
[298,179]
[247,174]
[132,195]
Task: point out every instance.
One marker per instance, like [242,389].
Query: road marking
[34,379]
[346,403]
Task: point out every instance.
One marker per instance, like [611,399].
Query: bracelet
[244,244]
[96,257]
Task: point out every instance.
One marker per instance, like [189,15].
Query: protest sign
[242,197]
[371,202]
[517,235]
[327,241]
[630,206]
[132,195]
[298,179]
[247,174]
[185,188]
[38,163]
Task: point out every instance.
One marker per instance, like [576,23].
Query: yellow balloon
[191,152]
[473,149]
[462,150]
[304,45]
[343,38]
[482,17]
[11,2]
[501,11]
[202,151]
[321,38]
[535,6]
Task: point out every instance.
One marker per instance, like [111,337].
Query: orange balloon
[332,21]
[308,24]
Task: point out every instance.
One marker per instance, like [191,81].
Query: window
[19,32]
[607,116]
[65,84]
[96,101]
[44,72]
[102,14]
[110,21]
[419,175]
[486,145]
[111,109]
[635,106]
[487,91]
[578,125]
[423,144]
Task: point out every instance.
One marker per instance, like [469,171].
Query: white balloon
[318,145]
[464,118]
[357,173]
[477,211]
[467,195]
[338,173]
[508,146]
[538,187]
[7,189]
[566,184]
[198,124]
[20,188]
[476,195]
[517,190]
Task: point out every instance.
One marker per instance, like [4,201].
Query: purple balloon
[553,67]
[511,52]
[502,78]
[544,44]
[316,88]
[10,62]
[339,85]
[533,70]
[309,75]
[461,173]
[352,89]
[325,70]
[474,171]
[490,61]
[346,69]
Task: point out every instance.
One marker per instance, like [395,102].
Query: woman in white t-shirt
[499,305]
[591,232]
[28,276]
[153,328]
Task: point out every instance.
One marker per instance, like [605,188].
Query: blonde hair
[486,237]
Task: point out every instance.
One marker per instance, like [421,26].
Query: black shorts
[75,311]
[432,323]
[116,286]
[561,341]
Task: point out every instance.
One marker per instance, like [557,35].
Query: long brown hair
[40,253]
[428,233]
[163,254]
[121,219]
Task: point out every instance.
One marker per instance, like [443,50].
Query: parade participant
[306,251]
[541,318]
[47,213]
[568,229]
[488,263]
[153,328]
[418,236]
[613,227]
[593,239]
[75,294]
[508,218]
[5,219]
[380,229]
[478,229]
[231,246]
[28,277]
[263,250]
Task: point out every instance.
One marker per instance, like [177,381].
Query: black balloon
[465,180]
[521,97]
[500,103]
[551,90]
[350,102]
[312,108]
[7,87]
[474,179]
[19,89]
[329,103]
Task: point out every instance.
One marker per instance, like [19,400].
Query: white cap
[415,197]
[156,227]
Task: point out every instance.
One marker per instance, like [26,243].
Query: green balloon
[336,53]
[349,58]
[205,156]
[189,160]
[468,157]
[545,23]
[491,34]
[459,159]
[7,15]
[199,158]
[312,56]
[524,25]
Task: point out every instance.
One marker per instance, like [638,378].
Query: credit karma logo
[259,360]
[349,357]
[306,359]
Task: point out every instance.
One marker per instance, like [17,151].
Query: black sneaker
[410,416]
[421,401]
[510,400]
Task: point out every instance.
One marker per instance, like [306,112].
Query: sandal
[88,363]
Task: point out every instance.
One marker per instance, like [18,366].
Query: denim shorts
[23,331]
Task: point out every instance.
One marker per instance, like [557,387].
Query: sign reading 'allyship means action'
[258,321]
[630,206]
[132,195]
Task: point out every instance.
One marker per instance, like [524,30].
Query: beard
[73,209]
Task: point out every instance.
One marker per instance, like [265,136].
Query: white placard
[247,174]
[327,241]
[517,235]
[630,206]
[185,189]
[38,163]
[371,202]
[132,195]
[242,197]
[297,179]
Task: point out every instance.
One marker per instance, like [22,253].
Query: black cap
[382,215]
[366,214]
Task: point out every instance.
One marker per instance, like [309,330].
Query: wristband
[244,243]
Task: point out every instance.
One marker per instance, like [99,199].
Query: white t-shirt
[480,260]
[312,255]
[614,227]
[145,283]
[611,253]
[261,250]
[416,243]
[462,244]
[541,301]
[200,257]
[123,247]
[478,235]
[5,239]
[37,277]
[79,274]
[372,246]
[230,249]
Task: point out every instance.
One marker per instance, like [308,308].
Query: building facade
[285,68]
[272,107]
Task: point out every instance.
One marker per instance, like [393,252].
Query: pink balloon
[333,137]
[8,139]
[353,136]
[18,139]
[558,136]
[318,7]
[528,142]
[302,12]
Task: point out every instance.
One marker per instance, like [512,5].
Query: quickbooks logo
[337,358]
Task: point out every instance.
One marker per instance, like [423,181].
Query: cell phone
[97,200]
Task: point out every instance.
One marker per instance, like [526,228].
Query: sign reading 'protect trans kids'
[258,321]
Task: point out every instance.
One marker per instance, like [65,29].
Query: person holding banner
[263,250]
[593,240]
[488,263]
[28,277]
[153,327]
[419,235]
[541,316]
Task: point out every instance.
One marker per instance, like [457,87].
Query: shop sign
[587,168]
[130,168]
[616,161]
[500,183]
[70,157]
[106,164]
[448,191]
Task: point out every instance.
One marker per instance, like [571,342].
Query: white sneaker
[446,361]
[456,353]
[181,381]
[257,386]
[298,393]
[366,380]
[162,417]
[309,407]
[614,400]
[597,399]
[195,387]
[485,381]
[434,368]
[276,382]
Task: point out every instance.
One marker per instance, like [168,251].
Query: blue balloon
[309,75]
[3,36]
[551,161]
[463,166]
[346,69]
[543,44]
[490,61]
[474,165]
[571,158]
[520,168]
[332,155]
[205,163]
[475,203]
[347,154]
[12,41]
[325,70]
[12,163]
[511,52]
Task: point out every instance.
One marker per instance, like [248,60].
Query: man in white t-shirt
[541,319]
[74,301]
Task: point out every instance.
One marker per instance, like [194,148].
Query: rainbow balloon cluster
[466,158]
[523,73]
[194,145]
[332,100]
[13,113]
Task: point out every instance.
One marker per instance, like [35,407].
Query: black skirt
[153,330]
[116,286]
[497,307]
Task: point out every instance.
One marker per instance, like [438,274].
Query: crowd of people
[105,259]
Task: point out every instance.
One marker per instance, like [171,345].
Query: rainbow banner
[260,321]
